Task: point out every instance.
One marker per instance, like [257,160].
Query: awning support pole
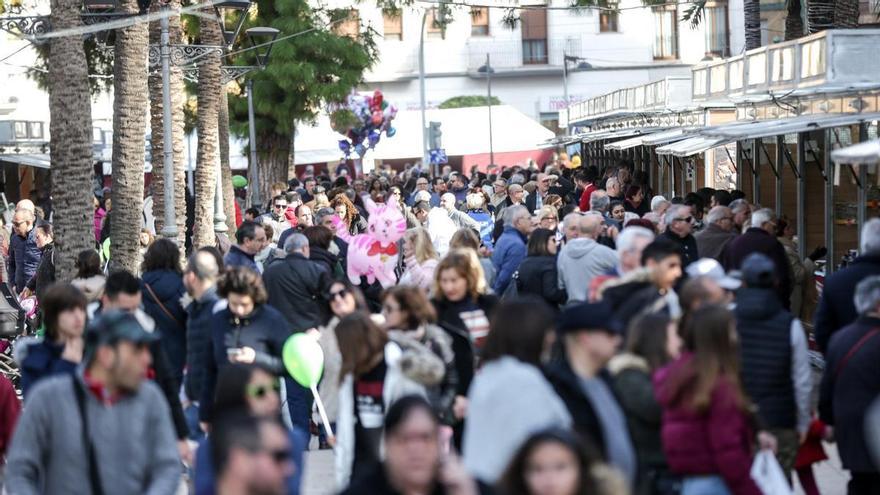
[791,162]
[862,206]
[739,165]
[829,204]
[801,193]
[819,162]
[732,160]
[777,169]
[755,165]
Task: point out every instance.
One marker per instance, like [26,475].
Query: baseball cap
[588,317]
[758,270]
[115,325]
[710,268]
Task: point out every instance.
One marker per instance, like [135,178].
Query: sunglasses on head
[260,391]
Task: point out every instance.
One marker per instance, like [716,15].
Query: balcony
[666,94]
[830,60]
[511,54]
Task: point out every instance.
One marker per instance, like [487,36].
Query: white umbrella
[867,153]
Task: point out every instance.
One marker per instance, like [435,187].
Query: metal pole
[489,102]
[565,89]
[829,202]
[780,169]
[219,215]
[169,229]
[256,199]
[756,172]
[425,159]
[862,202]
[801,194]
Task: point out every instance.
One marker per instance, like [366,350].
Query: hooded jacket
[717,441]
[578,262]
[38,359]
[508,401]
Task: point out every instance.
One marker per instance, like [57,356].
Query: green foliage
[99,57]
[305,72]
[467,101]
[694,13]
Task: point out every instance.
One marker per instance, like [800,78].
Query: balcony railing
[666,94]
[830,59]
[511,54]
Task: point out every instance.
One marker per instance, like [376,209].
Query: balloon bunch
[362,120]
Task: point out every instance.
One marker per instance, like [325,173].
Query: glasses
[261,391]
[16,224]
[421,183]
[548,219]
[687,219]
[499,185]
[280,206]
[280,456]
[341,293]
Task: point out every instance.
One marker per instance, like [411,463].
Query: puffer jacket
[717,441]
[264,330]
[24,257]
[162,291]
[45,274]
[509,252]
[200,314]
[441,394]
[409,372]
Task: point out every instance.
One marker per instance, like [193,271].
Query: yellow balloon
[575,161]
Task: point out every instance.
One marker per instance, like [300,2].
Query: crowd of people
[543,332]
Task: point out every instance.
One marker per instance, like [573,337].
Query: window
[665,34]
[21,130]
[716,30]
[432,29]
[480,21]
[608,18]
[393,25]
[351,26]
[534,36]
[35,130]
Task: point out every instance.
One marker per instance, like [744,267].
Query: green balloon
[303,359]
[239,181]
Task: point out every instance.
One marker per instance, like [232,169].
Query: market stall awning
[28,160]
[867,153]
[665,137]
[792,125]
[691,146]
[614,134]
[639,140]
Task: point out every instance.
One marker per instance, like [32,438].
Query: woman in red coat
[706,430]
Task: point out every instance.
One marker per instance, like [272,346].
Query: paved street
[319,474]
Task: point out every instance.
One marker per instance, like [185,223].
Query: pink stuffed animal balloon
[374,253]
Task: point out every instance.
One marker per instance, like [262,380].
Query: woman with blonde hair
[420,259]
[468,239]
[463,311]
[548,217]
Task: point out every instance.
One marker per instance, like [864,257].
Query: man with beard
[105,429]
[252,456]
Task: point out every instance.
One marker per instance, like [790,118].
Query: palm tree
[207,121]
[177,134]
[846,14]
[225,170]
[129,133]
[752,18]
[70,126]
[794,23]
[820,15]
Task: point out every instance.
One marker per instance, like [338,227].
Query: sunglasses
[340,294]
[261,391]
[687,219]
[280,206]
[280,456]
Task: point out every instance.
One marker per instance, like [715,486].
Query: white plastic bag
[768,475]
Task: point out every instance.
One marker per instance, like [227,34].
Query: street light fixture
[488,70]
[229,6]
[93,12]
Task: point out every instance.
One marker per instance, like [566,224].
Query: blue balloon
[390,132]
[345,146]
[373,139]
[360,149]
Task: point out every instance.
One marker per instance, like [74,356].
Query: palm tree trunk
[794,22]
[274,161]
[207,155]
[70,126]
[225,170]
[752,15]
[129,131]
[820,15]
[157,131]
[846,14]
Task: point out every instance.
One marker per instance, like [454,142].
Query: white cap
[708,267]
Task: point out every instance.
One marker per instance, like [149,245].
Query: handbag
[512,289]
[91,458]
[162,306]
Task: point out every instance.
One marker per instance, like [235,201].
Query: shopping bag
[768,475]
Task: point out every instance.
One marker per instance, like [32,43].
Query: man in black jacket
[679,228]
[590,338]
[761,238]
[296,285]
[836,309]
[851,383]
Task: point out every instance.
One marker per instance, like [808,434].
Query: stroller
[13,324]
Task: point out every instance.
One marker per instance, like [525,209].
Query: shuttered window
[393,25]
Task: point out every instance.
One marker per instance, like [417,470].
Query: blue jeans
[704,485]
[299,403]
[191,413]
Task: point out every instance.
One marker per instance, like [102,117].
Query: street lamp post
[169,228]
[488,70]
[583,65]
[425,160]
[256,200]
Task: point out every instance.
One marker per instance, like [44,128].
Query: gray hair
[870,239]
[203,265]
[590,224]
[599,201]
[517,179]
[656,201]
[717,213]
[295,243]
[867,296]
[673,212]
[763,216]
[323,213]
[737,204]
[628,236]
[512,212]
